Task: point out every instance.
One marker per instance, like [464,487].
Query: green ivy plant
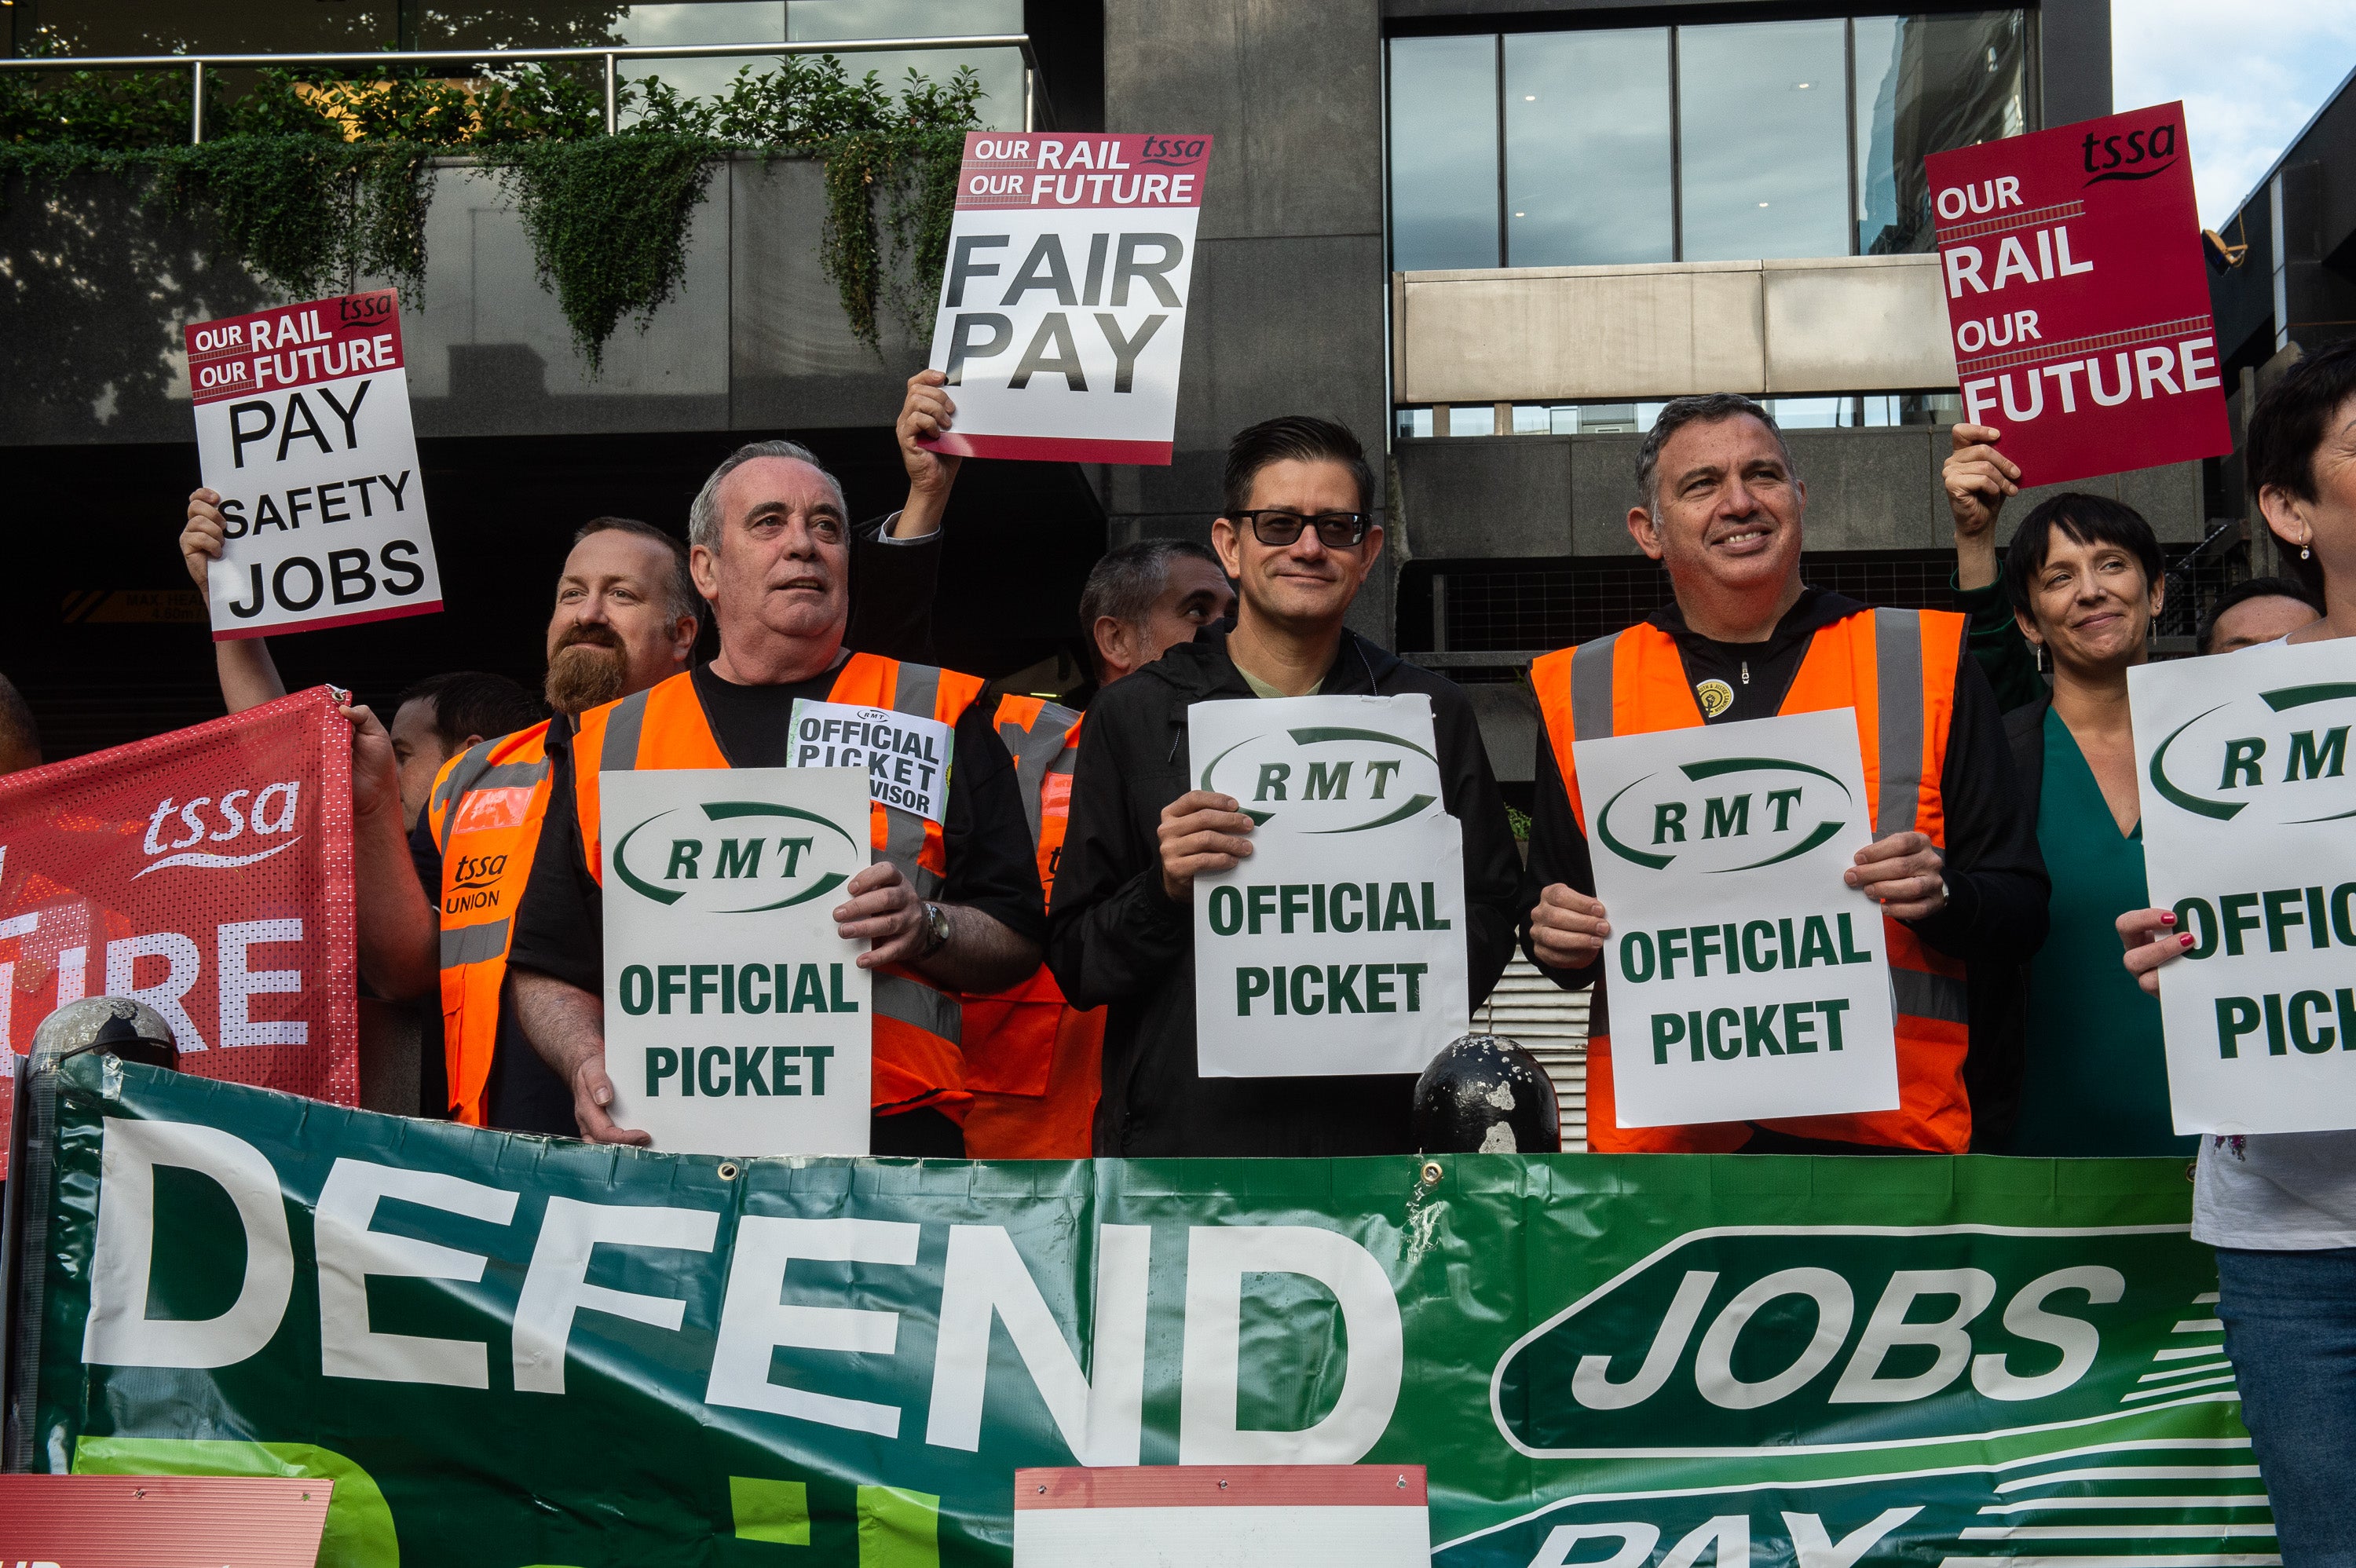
[313,179]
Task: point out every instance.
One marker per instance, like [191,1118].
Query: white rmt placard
[2249,830]
[1746,980]
[1338,946]
[1213,1516]
[1062,308]
[303,427]
[907,757]
[736,1020]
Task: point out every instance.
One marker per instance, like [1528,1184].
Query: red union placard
[1062,309]
[2077,298]
[149,1521]
[208,873]
[302,428]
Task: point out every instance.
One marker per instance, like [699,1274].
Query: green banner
[510,1350]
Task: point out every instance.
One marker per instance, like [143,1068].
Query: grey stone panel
[2169,498]
[792,356]
[1292,90]
[1866,489]
[1508,712]
[1488,496]
[1602,488]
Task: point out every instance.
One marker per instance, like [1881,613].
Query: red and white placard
[1209,1516]
[2078,297]
[302,428]
[1062,309]
[142,1522]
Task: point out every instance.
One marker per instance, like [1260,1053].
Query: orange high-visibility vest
[1897,668]
[917,1026]
[1033,1061]
[485,812]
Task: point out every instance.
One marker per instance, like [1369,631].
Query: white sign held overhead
[1747,981]
[736,1020]
[1338,946]
[1062,308]
[302,428]
[2242,764]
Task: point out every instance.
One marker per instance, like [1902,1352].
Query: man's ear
[703,567]
[1228,545]
[1642,528]
[683,633]
[1114,639]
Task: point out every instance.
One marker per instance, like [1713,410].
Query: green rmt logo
[711,849]
[2251,763]
[1723,817]
[1326,781]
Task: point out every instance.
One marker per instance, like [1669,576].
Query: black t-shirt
[559,930]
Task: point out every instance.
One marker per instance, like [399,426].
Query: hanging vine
[312,181]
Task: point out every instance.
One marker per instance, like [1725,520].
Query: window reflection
[1587,148]
[1443,153]
[1763,133]
[1927,84]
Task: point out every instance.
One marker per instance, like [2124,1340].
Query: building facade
[1492,235]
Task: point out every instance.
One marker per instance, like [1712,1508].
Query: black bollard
[1485,1094]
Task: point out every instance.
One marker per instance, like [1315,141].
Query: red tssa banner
[208,873]
[2077,298]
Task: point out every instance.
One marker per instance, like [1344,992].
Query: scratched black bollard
[1485,1094]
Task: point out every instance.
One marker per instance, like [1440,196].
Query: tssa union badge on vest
[2243,767]
[736,1020]
[1746,980]
[1338,946]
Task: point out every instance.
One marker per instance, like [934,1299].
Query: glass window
[221,27]
[1587,148]
[702,22]
[1001,70]
[1443,153]
[1763,134]
[1415,422]
[1929,84]
[1473,418]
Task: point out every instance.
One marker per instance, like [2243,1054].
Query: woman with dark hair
[2280,1207]
[2081,582]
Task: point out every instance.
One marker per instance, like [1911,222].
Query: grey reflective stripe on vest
[920,1007]
[474,944]
[460,779]
[913,692]
[1898,694]
[511,775]
[620,752]
[1036,751]
[1590,689]
[1928,996]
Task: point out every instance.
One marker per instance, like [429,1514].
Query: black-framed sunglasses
[1335,530]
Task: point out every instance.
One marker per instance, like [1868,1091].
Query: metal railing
[390,60]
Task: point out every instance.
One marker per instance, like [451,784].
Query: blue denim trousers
[2291,1332]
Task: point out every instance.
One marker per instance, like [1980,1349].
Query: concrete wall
[1849,324]
[1287,311]
[754,340]
[1503,498]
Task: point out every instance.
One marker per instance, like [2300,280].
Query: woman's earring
[2305,552]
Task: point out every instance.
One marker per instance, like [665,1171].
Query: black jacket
[1114,939]
[1998,1062]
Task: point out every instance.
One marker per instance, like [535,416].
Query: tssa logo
[475,883]
[1753,812]
[2130,155]
[1733,1339]
[2283,752]
[1327,778]
[736,857]
[240,819]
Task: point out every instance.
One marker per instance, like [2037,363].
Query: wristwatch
[937,930]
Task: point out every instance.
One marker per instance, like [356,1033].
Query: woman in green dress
[2081,583]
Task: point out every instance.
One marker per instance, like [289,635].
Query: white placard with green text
[736,1020]
[1747,981]
[2249,830]
[1338,946]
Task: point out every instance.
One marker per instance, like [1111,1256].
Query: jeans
[2291,1332]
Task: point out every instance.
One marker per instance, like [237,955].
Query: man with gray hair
[1954,864]
[952,901]
[1145,598]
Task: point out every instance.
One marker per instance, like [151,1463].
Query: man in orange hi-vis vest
[1034,1060]
[1954,863]
[951,901]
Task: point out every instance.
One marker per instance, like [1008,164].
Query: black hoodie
[1115,940]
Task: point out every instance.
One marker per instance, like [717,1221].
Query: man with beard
[626,619]
[951,902]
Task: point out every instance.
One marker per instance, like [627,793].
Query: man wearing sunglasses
[1297,537]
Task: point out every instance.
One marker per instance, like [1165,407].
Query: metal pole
[1030,111]
[611,96]
[196,101]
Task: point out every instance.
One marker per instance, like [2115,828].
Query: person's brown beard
[587,670]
